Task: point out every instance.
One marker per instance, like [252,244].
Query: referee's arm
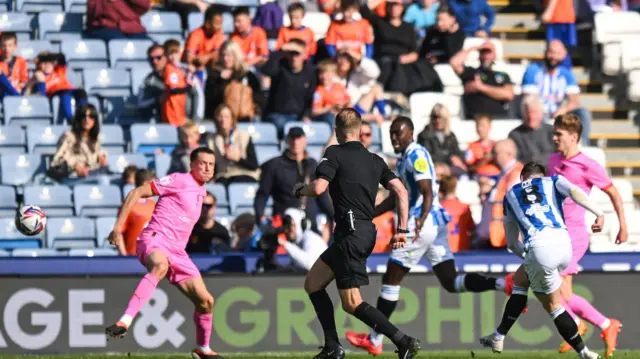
[325,172]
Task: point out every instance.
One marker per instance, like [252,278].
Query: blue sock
[41,88]
[379,104]
[6,88]
[359,109]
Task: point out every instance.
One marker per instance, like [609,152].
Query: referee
[353,175]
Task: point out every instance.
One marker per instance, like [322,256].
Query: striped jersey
[416,165]
[536,204]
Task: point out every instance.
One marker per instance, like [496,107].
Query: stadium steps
[635,183]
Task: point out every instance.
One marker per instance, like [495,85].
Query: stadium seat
[58,26]
[3,253]
[207,126]
[162,164]
[315,152]
[195,20]
[16,22]
[118,162]
[23,110]
[265,153]
[44,139]
[162,23]
[95,252]
[241,196]
[75,6]
[112,139]
[263,134]
[11,238]
[71,232]
[35,252]
[138,74]
[161,38]
[4,5]
[104,225]
[226,221]
[96,201]
[126,189]
[8,204]
[376,134]
[58,117]
[122,110]
[12,140]
[422,103]
[85,54]
[318,133]
[220,192]
[318,22]
[596,153]
[148,138]
[450,80]
[237,3]
[18,170]
[500,129]
[128,53]
[55,201]
[30,49]
[36,6]
[107,82]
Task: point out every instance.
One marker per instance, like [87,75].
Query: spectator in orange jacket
[13,69]
[461,225]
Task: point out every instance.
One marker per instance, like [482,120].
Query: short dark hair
[532,168]
[195,153]
[241,10]
[295,7]
[404,120]
[348,4]
[298,42]
[446,9]
[143,176]
[215,199]
[212,11]
[10,35]
[154,47]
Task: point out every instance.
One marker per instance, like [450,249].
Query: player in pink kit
[585,173]
[161,246]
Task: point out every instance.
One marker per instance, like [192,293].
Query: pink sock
[143,292]
[203,328]
[585,310]
[567,308]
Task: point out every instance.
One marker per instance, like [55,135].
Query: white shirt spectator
[307,246]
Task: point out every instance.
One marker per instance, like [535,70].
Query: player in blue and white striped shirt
[533,209]
[428,223]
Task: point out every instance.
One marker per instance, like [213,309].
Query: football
[30,220]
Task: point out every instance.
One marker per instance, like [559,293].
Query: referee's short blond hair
[349,121]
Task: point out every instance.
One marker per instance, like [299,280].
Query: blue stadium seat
[207,126]
[95,252]
[118,162]
[71,232]
[122,111]
[55,104]
[196,19]
[222,205]
[11,238]
[261,133]
[16,22]
[19,170]
[35,252]
[107,82]
[85,54]
[138,74]
[126,189]
[227,23]
[161,38]
[96,201]
[3,253]
[22,110]
[128,53]
[162,164]
[315,152]
[8,204]
[104,225]
[44,139]
[318,133]
[162,23]
[147,138]
[377,134]
[55,201]
[4,5]
[226,221]
[75,6]
[35,6]
[58,26]
[265,153]
[12,140]
[237,3]
[241,196]
[30,49]
[112,139]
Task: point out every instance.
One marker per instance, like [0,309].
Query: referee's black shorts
[347,255]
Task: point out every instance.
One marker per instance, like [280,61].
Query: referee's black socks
[381,324]
[567,328]
[324,310]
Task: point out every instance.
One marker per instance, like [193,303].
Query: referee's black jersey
[354,174]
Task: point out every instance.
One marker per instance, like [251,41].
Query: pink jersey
[177,210]
[583,172]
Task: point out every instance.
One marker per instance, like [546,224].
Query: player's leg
[157,265]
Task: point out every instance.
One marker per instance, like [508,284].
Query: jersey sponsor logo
[173,78]
[164,181]
[421,164]
[537,208]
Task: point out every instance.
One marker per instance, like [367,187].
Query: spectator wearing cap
[444,39]
[469,14]
[279,175]
[486,90]
[557,86]
[111,20]
[533,138]
[293,82]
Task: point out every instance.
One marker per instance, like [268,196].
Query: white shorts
[432,242]
[548,254]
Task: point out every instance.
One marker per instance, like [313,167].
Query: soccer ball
[30,220]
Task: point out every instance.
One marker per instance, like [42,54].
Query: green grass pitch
[480,354]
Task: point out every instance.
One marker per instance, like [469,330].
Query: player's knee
[160,269]
[309,287]
[206,303]
[350,306]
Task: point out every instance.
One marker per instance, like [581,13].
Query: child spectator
[13,69]
[195,96]
[297,31]
[189,137]
[252,39]
[461,225]
[129,175]
[139,216]
[50,79]
[330,96]
[422,14]
[349,33]
[204,42]
[177,87]
[479,157]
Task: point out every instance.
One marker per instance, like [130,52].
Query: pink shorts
[181,267]
[579,245]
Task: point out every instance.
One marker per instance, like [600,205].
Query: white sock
[126,319]
[498,336]
[577,320]
[500,284]
[584,351]
[376,338]
[605,324]
[204,349]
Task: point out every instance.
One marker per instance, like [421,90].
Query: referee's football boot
[199,354]
[116,331]
[331,353]
[409,350]
[494,342]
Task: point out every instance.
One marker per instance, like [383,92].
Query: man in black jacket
[280,174]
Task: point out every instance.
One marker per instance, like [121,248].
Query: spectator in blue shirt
[422,14]
[468,13]
[557,86]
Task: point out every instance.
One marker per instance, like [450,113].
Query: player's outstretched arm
[144,191]
[616,199]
